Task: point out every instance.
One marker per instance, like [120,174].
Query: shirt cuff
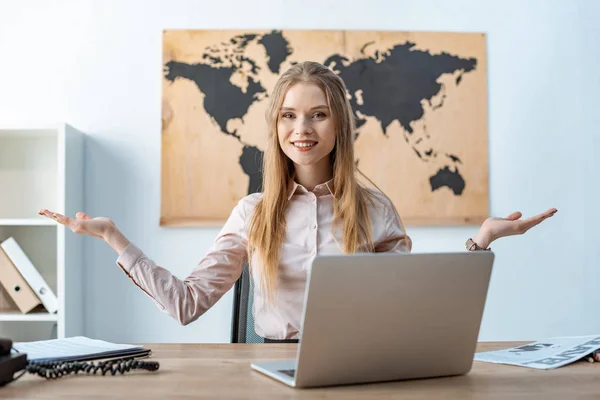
[129,257]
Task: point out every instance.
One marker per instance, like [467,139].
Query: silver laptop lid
[378,317]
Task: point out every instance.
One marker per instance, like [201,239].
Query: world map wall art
[420,101]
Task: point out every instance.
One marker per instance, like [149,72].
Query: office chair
[242,324]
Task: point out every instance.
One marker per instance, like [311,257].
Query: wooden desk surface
[223,371]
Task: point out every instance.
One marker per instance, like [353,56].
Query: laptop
[383,317]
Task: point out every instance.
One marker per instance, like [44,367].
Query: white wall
[97,65]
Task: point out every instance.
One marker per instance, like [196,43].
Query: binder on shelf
[30,274]
[16,286]
[6,302]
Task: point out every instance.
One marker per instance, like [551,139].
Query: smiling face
[305,126]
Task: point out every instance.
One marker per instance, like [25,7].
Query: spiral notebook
[77,348]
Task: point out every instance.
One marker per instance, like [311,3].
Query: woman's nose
[303,126]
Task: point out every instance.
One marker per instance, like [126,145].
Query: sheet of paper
[68,347]
[547,354]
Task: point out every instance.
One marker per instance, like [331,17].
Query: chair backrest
[242,322]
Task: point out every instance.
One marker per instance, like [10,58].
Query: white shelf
[42,167]
[15,316]
[27,222]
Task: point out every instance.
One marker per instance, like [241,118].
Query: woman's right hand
[82,223]
[100,227]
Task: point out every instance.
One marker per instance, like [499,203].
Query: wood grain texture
[223,371]
[444,133]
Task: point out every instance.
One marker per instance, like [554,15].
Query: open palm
[82,223]
[496,228]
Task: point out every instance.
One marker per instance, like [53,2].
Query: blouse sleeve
[395,239]
[187,299]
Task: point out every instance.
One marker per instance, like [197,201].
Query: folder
[16,286]
[30,274]
[78,348]
[6,302]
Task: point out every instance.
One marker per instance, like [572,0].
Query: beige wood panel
[202,178]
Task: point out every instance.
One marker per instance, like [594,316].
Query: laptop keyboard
[290,372]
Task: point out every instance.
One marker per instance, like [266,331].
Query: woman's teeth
[304,145]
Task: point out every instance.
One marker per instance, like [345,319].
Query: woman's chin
[307,160]
[301,158]
[303,162]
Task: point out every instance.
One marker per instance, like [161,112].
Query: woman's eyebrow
[313,108]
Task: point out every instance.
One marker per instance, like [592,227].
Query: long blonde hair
[267,227]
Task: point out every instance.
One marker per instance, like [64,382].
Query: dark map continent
[393,86]
[451,179]
[278,49]
[222,100]
[392,89]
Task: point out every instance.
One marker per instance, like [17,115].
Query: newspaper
[547,354]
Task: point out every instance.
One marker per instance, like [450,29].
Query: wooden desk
[223,372]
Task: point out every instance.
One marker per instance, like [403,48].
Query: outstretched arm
[184,299]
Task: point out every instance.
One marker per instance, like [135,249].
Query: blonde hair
[267,227]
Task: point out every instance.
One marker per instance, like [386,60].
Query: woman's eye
[319,115]
[287,115]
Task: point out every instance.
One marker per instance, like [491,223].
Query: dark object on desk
[11,363]
[129,353]
[58,369]
[242,323]
[5,346]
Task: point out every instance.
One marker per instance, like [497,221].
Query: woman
[311,204]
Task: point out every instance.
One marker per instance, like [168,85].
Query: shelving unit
[26,222]
[42,167]
[18,316]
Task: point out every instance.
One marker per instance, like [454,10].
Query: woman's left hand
[494,228]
